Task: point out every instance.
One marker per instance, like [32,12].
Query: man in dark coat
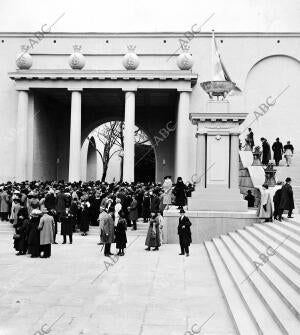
[287,199]
[277,199]
[60,203]
[133,212]
[250,198]
[277,148]
[67,226]
[184,232]
[266,151]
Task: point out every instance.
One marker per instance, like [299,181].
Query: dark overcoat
[34,236]
[120,234]
[133,210]
[287,198]
[153,239]
[184,231]
[277,150]
[266,153]
[66,224]
[179,192]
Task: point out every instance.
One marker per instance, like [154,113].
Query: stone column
[182,137]
[234,161]
[200,161]
[128,163]
[75,136]
[21,136]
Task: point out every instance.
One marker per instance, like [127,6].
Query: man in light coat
[108,232]
[46,227]
[102,216]
[4,200]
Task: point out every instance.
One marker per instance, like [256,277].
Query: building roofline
[151,34]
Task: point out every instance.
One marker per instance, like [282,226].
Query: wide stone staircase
[258,270]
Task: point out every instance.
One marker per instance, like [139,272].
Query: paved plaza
[75,292]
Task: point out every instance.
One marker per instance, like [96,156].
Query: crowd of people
[35,208]
[279,150]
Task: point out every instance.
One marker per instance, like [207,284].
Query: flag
[219,71]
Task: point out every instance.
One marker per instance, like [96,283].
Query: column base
[217,198]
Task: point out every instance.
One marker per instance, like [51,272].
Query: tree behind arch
[111,135]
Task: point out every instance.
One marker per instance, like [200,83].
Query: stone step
[283,316]
[285,255]
[279,239]
[294,221]
[236,305]
[289,226]
[256,308]
[284,291]
[284,232]
[283,269]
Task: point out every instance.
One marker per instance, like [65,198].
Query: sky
[150,15]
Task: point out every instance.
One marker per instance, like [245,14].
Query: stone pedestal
[217,169]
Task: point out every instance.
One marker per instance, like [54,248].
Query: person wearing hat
[184,232]
[46,228]
[67,226]
[4,201]
[180,193]
[34,233]
[102,216]
[287,199]
[108,232]
[277,148]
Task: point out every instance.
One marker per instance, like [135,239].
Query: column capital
[132,89]
[25,89]
[187,90]
[75,89]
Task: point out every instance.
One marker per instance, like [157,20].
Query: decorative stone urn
[185,59]
[131,59]
[24,59]
[270,175]
[77,59]
[218,88]
[257,156]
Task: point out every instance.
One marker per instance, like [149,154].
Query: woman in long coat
[20,244]
[266,151]
[179,192]
[46,227]
[265,209]
[34,234]
[120,234]
[85,217]
[152,239]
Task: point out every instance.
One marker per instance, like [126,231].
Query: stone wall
[245,184]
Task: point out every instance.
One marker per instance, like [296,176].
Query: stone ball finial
[24,59]
[131,59]
[77,59]
[185,59]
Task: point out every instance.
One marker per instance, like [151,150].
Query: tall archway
[92,156]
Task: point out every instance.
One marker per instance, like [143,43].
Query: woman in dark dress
[34,234]
[180,193]
[85,217]
[120,234]
[21,227]
[152,239]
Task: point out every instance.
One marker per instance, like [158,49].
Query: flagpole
[212,54]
